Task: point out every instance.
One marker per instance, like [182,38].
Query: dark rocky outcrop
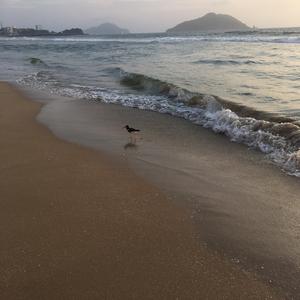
[73,31]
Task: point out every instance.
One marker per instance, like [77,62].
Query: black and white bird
[133,133]
[131,130]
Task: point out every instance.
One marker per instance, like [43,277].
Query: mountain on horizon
[210,22]
[106,29]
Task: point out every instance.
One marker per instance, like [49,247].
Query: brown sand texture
[77,224]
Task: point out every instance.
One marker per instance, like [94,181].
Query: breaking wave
[278,137]
[36,61]
[226,62]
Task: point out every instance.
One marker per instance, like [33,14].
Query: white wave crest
[212,115]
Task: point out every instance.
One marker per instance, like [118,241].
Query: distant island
[106,29]
[210,22]
[31,32]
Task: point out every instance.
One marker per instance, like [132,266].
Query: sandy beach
[79,224]
[241,206]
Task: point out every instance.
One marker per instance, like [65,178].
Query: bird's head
[126,126]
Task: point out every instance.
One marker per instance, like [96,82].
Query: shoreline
[77,223]
[242,207]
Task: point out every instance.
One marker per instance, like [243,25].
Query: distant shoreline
[31,32]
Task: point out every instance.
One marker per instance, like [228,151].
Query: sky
[144,15]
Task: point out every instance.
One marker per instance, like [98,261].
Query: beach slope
[77,224]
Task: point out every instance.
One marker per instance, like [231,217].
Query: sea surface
[245,85]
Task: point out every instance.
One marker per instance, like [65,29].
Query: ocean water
[244,85]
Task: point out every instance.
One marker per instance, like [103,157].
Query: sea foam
[277,137]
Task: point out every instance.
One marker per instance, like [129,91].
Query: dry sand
[77,224]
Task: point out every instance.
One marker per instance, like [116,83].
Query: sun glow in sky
[144,15]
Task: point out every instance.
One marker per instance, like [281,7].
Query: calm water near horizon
[243,84]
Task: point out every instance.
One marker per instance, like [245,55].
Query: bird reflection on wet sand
[130,146]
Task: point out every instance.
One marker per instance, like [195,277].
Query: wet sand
[79,224]
[242,206]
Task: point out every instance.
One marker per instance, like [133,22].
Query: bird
[131,130]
